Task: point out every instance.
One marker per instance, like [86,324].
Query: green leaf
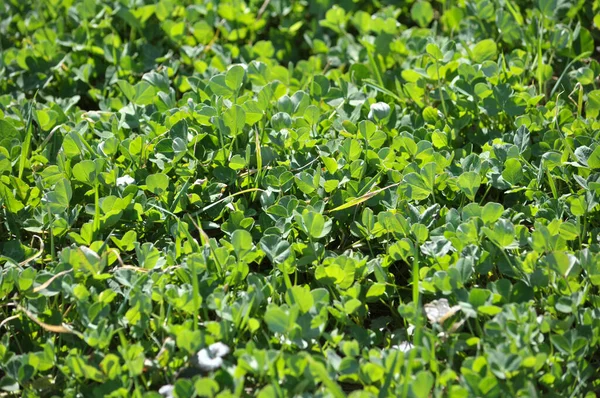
[513,171]
[300,296]
[561,262]
[376,290]
[366,129]
[157,183]
[484,50]
[276,248]
[127,242]
[594,159]
[315,225]
[235,119]
[490,310]
[235,77]
[304,181]
[218,85]
[11,203]
[435,52]
[415,187]
[503,234]
[330,164]
[491,212]
[278,320]
[8,133]
[469,183]
[85,172]
[422,13]
[237,162]
[592,106]
[58,200]
[312,114]
[422,384]
[549,8]
[241,240]
[142,93]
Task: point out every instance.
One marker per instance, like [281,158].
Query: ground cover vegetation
[299,198]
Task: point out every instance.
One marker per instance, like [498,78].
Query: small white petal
[206,362]
[167,391]
[404,346]
[438,311]
[218,349]
[125,180]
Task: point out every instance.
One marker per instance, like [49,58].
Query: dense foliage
[299,198]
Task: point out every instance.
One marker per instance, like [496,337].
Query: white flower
[125,180]
[404,346]
[167,391]
[211,358]
[219,349]
[439,310]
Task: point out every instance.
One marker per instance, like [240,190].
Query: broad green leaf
[58,200]
[312,114]
[315,225]
[502,234]
[8,133]
[234,78]
[592,107]
[235,118]
[141,94]
[560,262]
[594,158]
[469,183]
[85,172]
[278,320]
[484,50]
[241,240]
[513,171]
[376,290]
[12,204]
[276,248]
[415,187]
[366,128]
[422,13]
[491,212]
[301,297]
[237,162]
[157,183]
[422,384]
[304,181]
[433,50]
[218,85]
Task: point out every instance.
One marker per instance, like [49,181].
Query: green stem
[417,339]
[540,62]
[375,67]
[552,185]
[96,222]
[195,297]
[437,68]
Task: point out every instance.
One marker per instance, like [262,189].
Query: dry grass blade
[49,281]
[131,267]
[36,255]
[64,328]
[262,9]
[225,198]
[203,236]
[122,265]
[10,318]
[361,199]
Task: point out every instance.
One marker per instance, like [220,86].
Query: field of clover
[276,198]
